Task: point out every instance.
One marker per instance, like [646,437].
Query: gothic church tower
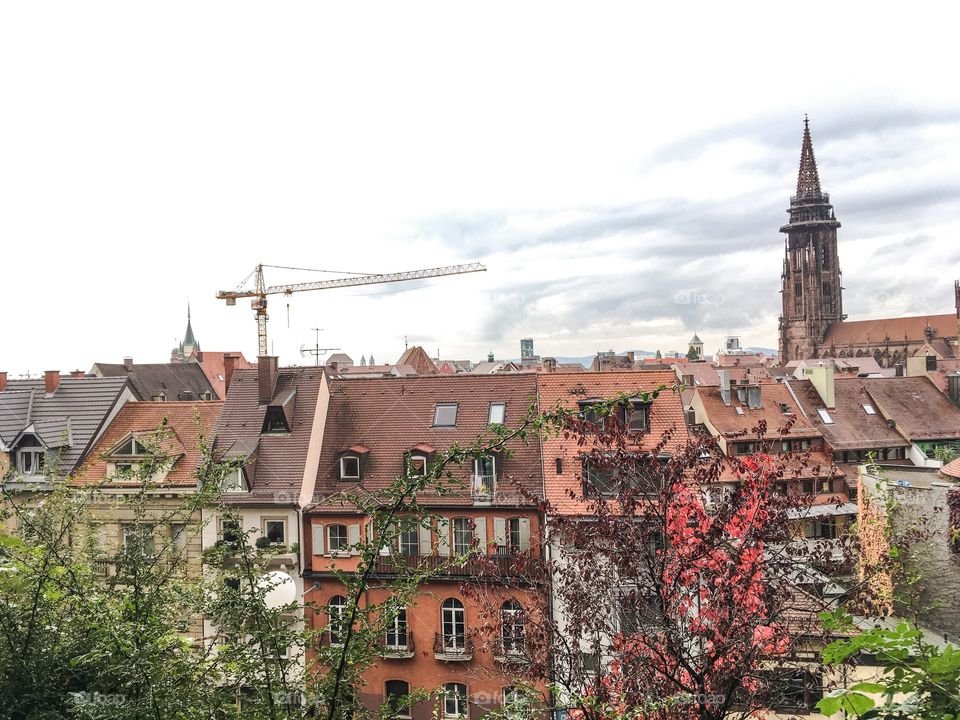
[811,276]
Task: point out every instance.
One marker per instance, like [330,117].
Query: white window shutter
[426,546]
[353,538]
[481,532]
[443,537]
[317,531]
[524,533]
[499,531]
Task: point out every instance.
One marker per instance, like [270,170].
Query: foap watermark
[96,698]
[692,297]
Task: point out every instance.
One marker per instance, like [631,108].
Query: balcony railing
[397,645]
[483,487]
[453,648]
[498,565]
[511,651]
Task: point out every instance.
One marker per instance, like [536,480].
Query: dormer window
[417,466]
[445,415]
[275,421]
[232,481]
[636,416]
[31,461]
[350,467]
[590,412]
[131,447]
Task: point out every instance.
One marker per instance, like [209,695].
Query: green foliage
[917,678]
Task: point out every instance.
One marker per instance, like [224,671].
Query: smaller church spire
[808,179]
[188,337]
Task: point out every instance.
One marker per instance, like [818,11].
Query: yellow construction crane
[260,290]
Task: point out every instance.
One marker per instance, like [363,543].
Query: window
[558,463]
[497,414]
[590,413]
[484,475]
[821,529]
[599,481]
[396,635]
[349,467]
[229,530]
[825,416]
[30,461]
[454,701]
[131,446]
[793,689]
[868,409]
[124,469]
[337,619]
[138,540]
[453,626]
[178,541]
[514,535]
[232,480]
[417,466]
[739,410]
[462,535]
[445,415]
[516,701]
[408,539]
[512,627]
[275,531]
[636,416]
[337,538]
[396,697]
[275,421]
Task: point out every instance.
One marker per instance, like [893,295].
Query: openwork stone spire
[808,180]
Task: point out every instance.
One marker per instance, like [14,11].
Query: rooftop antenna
[316,350]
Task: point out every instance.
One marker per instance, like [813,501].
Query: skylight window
[825,416]
[739,410]
[498,413]
[445,415]
[869,409]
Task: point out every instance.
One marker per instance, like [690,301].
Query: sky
[621,170]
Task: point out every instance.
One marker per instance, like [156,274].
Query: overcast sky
[622,171]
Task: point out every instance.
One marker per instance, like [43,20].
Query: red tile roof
[729,423]
[418,359]
[875,331]
[567,389]
[213,367]
[276,460]
[186,422]
[919,409]
[393,416]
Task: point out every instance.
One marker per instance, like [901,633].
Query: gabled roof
[875,332]
[67,420]
[182,425]
[418,359]
[176,381]
[568,389]
[214,367]
[277,460]
[392,416]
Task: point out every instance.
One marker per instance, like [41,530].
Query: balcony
[396,646]
[482,488]
[453,648]
[508,564]
[511,651]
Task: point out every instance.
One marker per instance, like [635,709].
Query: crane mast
[260,291]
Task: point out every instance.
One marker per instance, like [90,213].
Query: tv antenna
[316,350]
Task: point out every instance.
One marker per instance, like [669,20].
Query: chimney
[51,381]
[3,381]
[128,364]
[550,364]
[724,385]
[266,377]
[78,374]
[229,365]
[630,356]
[953,388]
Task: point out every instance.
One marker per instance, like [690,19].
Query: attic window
[825,416]
[636,416]
[869,409]
[417,466]
[275,421]
[445,415]
[739,410]
[131,446]
[232,481]
[30,461]
[497,414]
[350,467]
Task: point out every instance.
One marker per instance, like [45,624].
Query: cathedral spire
[188,337]
[808,179]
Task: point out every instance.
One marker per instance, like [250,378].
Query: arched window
[396,696]
[337,619]
[454,701]
[453,627]
[512,628]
